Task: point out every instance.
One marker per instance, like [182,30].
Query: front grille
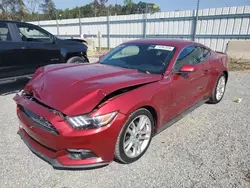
[31,97]
[38,120]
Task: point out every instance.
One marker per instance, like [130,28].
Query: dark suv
[24,47]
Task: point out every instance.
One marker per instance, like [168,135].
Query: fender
[135,99]
[78,40]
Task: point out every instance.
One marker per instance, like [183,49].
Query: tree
[7,7]
[142,7]
[27,10]
[2,10]
[12,9]
[128,2]
[21,9]
[49,9]
[103,2]
[32,5]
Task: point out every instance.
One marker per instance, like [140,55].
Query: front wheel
[135,136]
[219,90]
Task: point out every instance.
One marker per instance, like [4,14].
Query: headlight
[87,122]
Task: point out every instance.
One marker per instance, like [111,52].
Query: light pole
[57,24]
[196,19]
[154,6]
[116,7]
[80,23]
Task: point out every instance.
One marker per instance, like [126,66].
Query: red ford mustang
[85,115]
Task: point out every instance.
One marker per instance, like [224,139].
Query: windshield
[146,58]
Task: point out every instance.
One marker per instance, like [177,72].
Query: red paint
[78,89]
[188,68]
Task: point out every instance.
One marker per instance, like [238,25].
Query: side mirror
[187,68]
[53,39]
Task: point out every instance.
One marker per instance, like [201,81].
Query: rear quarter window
[4,32]
[206,53]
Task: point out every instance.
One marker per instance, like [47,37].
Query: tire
[143,140]
[77,60]
[214,98]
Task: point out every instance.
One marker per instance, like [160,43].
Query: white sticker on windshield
[168,48]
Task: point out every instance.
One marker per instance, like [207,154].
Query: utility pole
[57,24]
[116,7]
[38,17]
[108,29]
[94,8]
[80,23]
[196,20]
[145,22]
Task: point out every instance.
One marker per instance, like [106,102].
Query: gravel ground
[208,148]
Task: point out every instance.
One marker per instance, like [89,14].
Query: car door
[186,88]
[202,64]
[40,47]
[11,53]
[206,62]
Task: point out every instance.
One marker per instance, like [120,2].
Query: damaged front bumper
[52,161]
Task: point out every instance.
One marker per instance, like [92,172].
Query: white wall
[215,27]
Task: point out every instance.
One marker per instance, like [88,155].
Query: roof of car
[14,22]
[10,21]
[163,41]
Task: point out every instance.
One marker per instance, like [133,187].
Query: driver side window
[32,34]
[189,55]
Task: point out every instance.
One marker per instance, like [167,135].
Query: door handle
[205,71]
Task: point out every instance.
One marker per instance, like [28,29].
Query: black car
[24,47]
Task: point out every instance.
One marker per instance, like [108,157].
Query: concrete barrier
[239,49]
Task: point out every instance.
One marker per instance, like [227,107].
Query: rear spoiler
[218,52]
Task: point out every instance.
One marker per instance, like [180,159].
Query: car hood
[78,89]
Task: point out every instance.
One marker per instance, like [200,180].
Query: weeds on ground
[238,64]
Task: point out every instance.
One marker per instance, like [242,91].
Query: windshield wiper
[127,67]
[139,70]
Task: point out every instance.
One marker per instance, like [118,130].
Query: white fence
[215,27]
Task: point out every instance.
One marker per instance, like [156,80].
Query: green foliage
[128,2]
[49,9]
[12,9]
[27,10]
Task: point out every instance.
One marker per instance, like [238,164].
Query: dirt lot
[208,148]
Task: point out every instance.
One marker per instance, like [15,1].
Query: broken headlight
[88,122]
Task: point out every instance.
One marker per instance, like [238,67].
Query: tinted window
[4,33]
[189,55]
[32,34]
[142,57]
[206,53]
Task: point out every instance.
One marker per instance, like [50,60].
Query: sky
[165,5]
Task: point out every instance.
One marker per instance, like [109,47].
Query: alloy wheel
[137,136]
[220,89]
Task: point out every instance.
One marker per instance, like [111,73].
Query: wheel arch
[226,74]
[154,114]
[76,54]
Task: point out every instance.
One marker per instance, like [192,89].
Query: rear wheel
[77,60]
[219,90]
[135,137]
